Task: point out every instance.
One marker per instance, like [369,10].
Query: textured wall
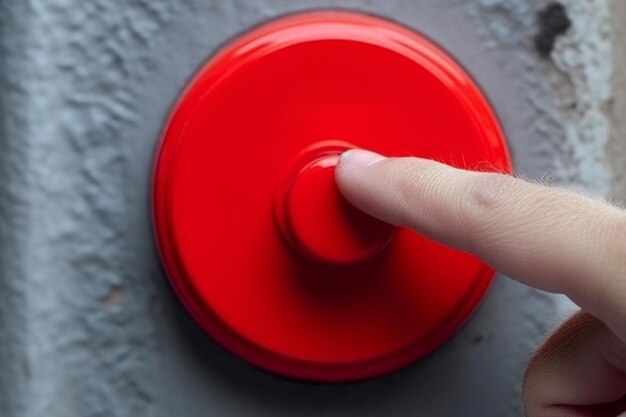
[88,325]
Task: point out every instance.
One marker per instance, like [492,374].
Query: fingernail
[359,158]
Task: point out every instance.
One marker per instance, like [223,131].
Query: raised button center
[323,224]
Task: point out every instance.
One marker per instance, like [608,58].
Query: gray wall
[88,325]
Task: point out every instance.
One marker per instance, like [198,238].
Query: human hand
[547,238]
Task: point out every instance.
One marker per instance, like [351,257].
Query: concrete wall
[88,325]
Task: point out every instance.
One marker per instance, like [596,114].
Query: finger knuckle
[485,204]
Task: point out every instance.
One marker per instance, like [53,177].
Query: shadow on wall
[258,386]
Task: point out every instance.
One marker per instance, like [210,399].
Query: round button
[318,221]
[254,237]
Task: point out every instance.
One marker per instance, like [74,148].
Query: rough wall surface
[617,102]
[88,325]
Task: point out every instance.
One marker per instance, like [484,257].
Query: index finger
[544,237]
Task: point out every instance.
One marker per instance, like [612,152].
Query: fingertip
[353,174]
[358,159]
[360,177]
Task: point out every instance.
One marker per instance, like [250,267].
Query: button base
[267,97]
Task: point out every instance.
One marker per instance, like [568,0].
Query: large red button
[257,241]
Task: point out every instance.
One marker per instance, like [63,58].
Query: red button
[317,220]
[256,240]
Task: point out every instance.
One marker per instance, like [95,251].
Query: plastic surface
[255,238]
[316,220]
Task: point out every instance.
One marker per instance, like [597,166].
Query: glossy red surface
[254,236]
[317,220]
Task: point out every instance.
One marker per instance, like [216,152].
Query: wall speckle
[553,22]
[89,325]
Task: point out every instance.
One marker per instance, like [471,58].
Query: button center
[319,221]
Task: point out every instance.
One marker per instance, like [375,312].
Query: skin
[543,237]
